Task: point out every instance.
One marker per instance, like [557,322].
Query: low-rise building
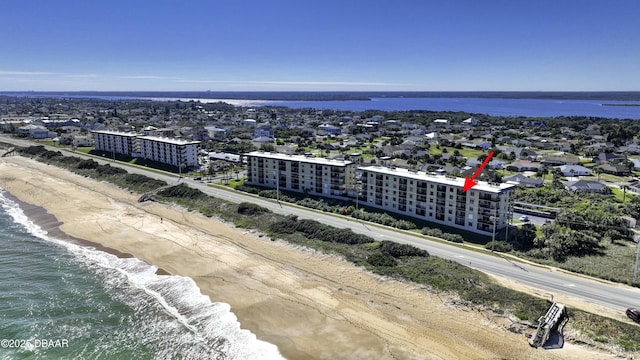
[306,174]
[438,198]
[115,142]
[174,152]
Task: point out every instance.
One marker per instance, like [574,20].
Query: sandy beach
[310,305]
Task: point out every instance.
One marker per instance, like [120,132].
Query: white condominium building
[115,142]
[438,198]
[311,175]
[169,151]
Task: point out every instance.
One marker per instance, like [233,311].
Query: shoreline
[49,223]
[310,305]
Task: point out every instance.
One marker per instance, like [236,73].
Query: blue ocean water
[94,305]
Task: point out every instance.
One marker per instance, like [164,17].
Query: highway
[548,280]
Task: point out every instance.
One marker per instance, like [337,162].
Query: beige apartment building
[306,174]
[438,198]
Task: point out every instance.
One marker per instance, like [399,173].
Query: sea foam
[181,321]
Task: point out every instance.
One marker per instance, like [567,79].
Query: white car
[524,218]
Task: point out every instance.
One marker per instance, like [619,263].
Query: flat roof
[439,179]
[111,132]
[168,140]
[300,158]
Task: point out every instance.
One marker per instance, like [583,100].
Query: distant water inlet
[103,306]
[495,106]
[490,106]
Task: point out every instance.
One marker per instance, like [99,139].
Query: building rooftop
[111,132]
[301,158]
[440,179]
[169,140]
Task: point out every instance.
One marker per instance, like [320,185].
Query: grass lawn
[606,178]
[84,150]
[619,194]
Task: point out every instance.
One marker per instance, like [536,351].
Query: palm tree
[624,192]
[572,173]
[598,171]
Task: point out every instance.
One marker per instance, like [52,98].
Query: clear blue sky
[475,45]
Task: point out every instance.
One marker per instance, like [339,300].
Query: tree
[598,171]
[624,192]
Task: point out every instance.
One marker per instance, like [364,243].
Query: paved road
[551,281]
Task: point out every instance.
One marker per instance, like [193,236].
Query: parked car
[633,314]
[524,218]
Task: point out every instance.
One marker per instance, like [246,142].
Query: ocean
[63,300]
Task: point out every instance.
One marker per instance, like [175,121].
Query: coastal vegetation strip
[403,262]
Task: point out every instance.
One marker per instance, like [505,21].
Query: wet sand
[312,306]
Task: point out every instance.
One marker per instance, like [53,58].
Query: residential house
[524,181]
[574,170]
[330,129]
[605,157]
[615,169]
[559,159]
[470,121]
[493,164]
[587,186]
[36,132]
[523,165]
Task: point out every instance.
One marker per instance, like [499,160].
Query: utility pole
[635,266]
[493,238]
[277,177]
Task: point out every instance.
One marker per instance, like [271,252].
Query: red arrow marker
[470,182]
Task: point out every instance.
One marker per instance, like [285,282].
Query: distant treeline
[346,95]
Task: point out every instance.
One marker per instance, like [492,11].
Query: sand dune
[310,305]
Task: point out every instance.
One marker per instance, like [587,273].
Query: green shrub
[108,170]
[380,259]
[500,246]
[397,250]
[32,150]
[182,191]
[87,164]
[247,208]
